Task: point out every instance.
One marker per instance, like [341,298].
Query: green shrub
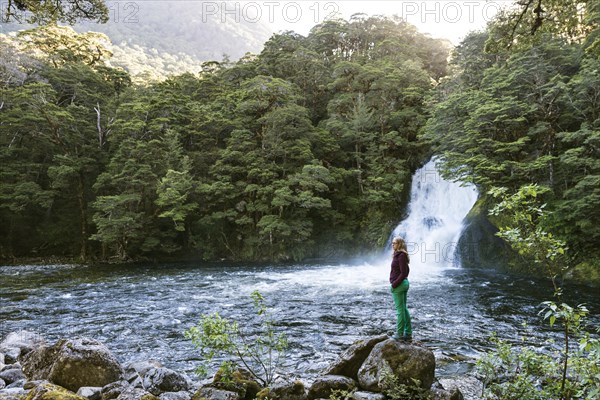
[260,353]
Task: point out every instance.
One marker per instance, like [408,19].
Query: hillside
[158,38]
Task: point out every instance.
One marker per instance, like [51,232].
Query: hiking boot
[406,338]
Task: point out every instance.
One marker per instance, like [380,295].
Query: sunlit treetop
[527,20]
[42,12]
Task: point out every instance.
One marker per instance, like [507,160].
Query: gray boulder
[13,394]
[2,384]
[443,394]
[212,393]
[324,386]
[73,363]
[138,369]
[160,380]
[25,341]
[90,392]
[132,393]
[12,375]
[367,396]
[350,361]
[11,355]
[114,389]
[175,396]
[405,361]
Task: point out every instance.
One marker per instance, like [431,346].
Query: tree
[61,44]
[45,11]
[526,22]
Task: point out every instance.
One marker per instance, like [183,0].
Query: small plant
[395,390]
[339,394]
[541,373]
[260,353]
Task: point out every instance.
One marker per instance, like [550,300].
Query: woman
[399,282]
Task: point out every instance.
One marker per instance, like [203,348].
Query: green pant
[403,325]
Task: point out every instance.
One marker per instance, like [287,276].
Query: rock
[1,359]
[73,363]
[114,389]
[33,384]
[405,361]
[12,375]
[17,384]
[323,386]
[90,392]
[442,394]
[2,384]
[13,394]
[211,393]
[350,361]
[132,393]
[12,355]
[284,391]
[138,369]
[367,396]
[160,380]
[49,391]
[240,381]
[25,341]
[175,396]
[470,387]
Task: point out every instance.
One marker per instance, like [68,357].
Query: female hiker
[399,282]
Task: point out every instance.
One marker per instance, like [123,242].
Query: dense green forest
[303,150]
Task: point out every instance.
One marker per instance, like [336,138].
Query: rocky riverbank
[83,368]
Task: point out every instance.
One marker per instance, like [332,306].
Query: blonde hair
[402,247]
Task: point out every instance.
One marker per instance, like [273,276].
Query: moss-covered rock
[49,391]
[478,245]
[587,273]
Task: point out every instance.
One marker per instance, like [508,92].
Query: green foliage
[525,231]
[44,12]
[528,115]
[259,352]
[538,373]
[304,150]
[395,390]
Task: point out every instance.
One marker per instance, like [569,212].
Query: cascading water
[435,219]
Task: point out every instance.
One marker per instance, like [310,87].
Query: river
[141,311]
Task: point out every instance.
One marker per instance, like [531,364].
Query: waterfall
[434,223]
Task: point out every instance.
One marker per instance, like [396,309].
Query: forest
[303,150]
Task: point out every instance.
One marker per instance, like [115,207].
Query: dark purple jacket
[400,268]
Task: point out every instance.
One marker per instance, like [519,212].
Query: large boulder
[405,361]
[73,363]
[350,361]
[160,380]
[325,385]
[212,393]
[284,391]
[48,391]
